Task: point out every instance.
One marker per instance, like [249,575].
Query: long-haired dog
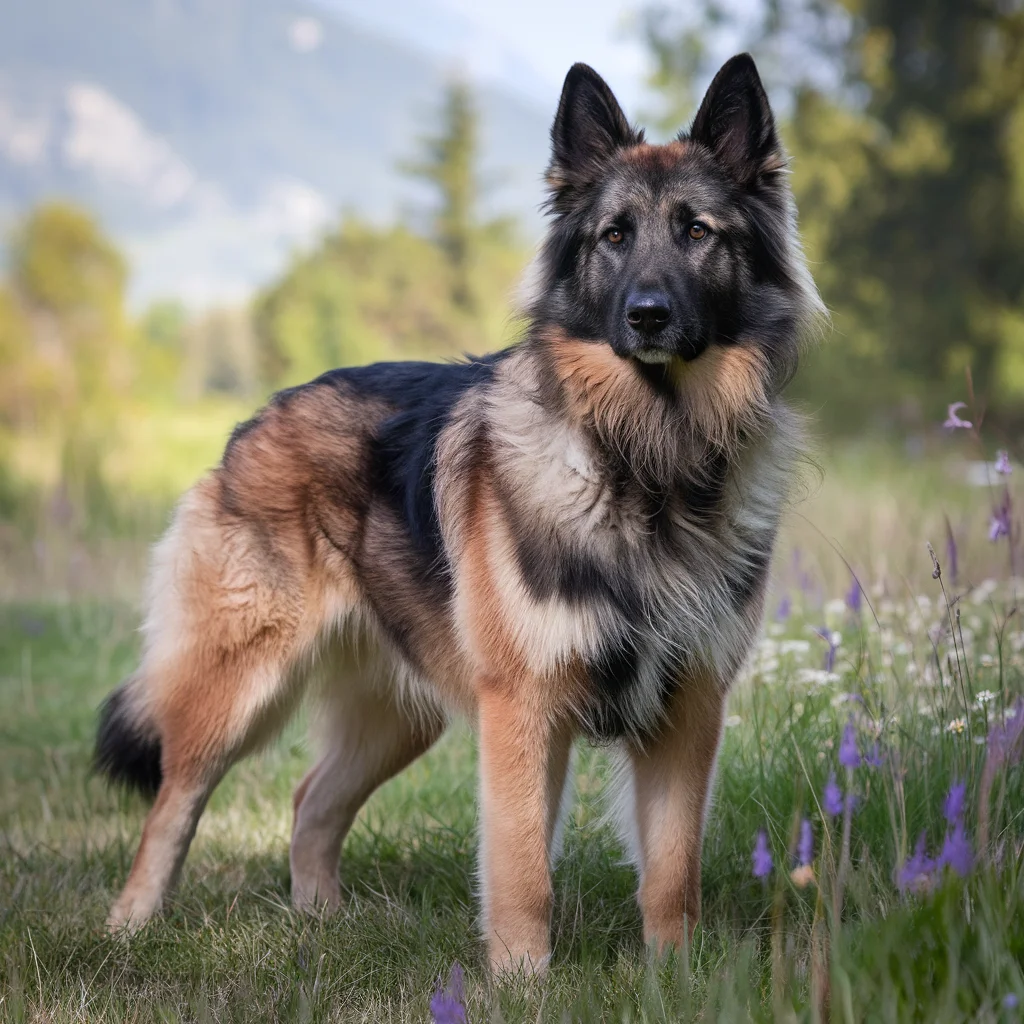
[569,537]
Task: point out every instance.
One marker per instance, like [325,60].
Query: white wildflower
[983,697]
[956,726]
[795,647]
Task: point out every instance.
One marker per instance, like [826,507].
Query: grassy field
[924,684]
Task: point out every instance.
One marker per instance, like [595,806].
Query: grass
[229,948]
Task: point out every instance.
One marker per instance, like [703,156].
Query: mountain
[211,136]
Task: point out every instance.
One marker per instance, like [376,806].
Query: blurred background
[204,200]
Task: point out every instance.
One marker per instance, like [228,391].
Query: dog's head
[665,251]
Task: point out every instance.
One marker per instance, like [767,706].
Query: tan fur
[672,779]
[523,758]
[725,391]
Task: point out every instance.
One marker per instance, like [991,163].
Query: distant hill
[213,135]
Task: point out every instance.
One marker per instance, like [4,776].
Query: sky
[525,45]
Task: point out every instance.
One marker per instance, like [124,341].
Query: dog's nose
[648,312]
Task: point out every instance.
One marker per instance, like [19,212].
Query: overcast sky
[526,45]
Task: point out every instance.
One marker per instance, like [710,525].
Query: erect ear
[735,122]
[588,128]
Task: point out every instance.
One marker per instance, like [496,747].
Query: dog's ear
[736,123]
[588,128]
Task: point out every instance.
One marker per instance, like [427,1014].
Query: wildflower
[853,596]
[953,808]
[803,875]
[1010,1001]
[916,872]
[832,797]
[446,1006]
[785,608]
[957,852]
[833,640]
[1000,523]
[983,697]
[797,647]
[1004,738]
[1003,466]
[849,755]
[732,721]
[805,844]
[874,757]
[956,726]
[762,856]
[953,421]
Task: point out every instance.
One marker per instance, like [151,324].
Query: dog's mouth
[657,356]
[654,356]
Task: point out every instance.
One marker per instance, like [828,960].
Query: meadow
[883,681]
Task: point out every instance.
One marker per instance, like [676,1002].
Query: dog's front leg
[672,778]
[523,758]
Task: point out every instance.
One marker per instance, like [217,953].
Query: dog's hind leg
[230,624]
[368,738]
[206,723]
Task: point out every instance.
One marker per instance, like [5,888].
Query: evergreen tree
[448,165]
[908,175]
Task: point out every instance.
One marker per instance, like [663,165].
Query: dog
[570,537]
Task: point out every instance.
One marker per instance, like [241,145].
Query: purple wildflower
[832,797]
[849,755]
[874,757]
[1004,738]
[761,856]
[785,608]
[917,869]
[953,421]
[953,808]
[853,597]
[1011,1001]
[805,844]
[446,1006]
[1000,523]
[830,655]
[1003,466]
[957,852]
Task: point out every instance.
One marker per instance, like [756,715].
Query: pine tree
[448,165]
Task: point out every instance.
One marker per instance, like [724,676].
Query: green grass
[229,948]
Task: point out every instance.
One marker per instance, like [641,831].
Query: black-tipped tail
[127,749]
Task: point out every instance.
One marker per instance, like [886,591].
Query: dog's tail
[127,742]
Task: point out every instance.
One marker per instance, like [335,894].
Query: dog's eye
[697,230]
[614,235]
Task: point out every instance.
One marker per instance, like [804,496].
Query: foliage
[67,286]
[448,164]
[366,293]
[907,173]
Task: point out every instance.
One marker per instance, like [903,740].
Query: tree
[447,165]
[68,283]
[909,177]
